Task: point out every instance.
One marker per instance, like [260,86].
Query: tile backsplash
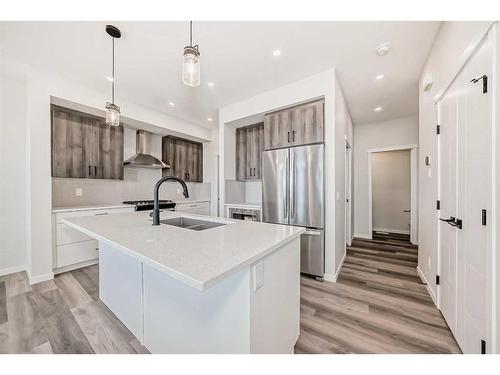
[137,183]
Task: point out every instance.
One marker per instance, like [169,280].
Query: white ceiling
[237,57]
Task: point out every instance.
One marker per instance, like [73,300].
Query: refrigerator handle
[292,186]
[285,190]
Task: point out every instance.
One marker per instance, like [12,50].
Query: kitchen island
[198,284]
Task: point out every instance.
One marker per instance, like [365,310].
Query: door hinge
[484,78]
[483,347]
[483,217]
[438,129]
[438,205]
[437,279]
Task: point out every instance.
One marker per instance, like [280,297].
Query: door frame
[348,194]
[413,187]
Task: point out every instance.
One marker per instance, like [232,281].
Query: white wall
[452,47]
[400,131]
[343,133]
[391,191]
[40,87]
[13,93]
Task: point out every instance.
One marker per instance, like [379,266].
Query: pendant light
[112,110]
[191,62]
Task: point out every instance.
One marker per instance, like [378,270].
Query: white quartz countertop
[197,258]
[105,206]
[90,207]
[254,205]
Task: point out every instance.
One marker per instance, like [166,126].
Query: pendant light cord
[113,83]
[190,33]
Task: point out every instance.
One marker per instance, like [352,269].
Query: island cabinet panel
[295,126]
[249,148]
[120,287]
[83,146]
[185,158]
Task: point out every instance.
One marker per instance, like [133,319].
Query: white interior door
[447,112]
[474,196]
[465,115]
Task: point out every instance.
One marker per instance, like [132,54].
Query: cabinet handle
[288,137]
[90,170]
[293,136]
[95,170]
[101,214]
[254,171]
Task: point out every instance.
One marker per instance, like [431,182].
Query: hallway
[378,305]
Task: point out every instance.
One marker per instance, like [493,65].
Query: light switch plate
[258,276]
[78,192]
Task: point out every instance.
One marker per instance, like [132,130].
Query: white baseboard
[15,269]
[397,231]
[427,285]
[333,277]
[365,236]
[40,278]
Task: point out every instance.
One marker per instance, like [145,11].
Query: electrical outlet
[258,276]
[78,192]
[178,191]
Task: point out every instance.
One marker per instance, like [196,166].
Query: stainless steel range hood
[143,157]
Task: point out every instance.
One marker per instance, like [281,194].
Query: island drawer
[199,208]
[76,253]
[61,215]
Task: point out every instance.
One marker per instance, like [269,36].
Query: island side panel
[120,286]
[275,301]
[181,319]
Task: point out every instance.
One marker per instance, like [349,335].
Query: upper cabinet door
[249,148]
[241,154]
[84,147]
[68,145]
[277,129]
[307,123]
[185,158]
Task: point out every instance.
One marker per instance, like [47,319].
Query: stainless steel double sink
[189,223]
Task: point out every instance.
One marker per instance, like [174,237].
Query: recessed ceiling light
[171,104]
[379,77]
[210,119]
[110,79]
[383,48]
[211,84]
[276,52]
[377,109]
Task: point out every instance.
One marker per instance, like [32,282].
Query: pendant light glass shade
[112,114]
[191,66]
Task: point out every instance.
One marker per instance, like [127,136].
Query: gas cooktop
[146,205]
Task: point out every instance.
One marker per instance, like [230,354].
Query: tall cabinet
[249,148]
[83,146]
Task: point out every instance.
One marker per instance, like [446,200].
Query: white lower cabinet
[71,248]
[198,208]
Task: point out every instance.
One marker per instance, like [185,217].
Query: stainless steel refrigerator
[293,194]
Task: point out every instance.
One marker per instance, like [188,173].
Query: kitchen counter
[233,288]
[197,258]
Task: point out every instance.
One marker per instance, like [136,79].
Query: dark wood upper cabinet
[83,146]
[185,158]
[249,148]
[299,125]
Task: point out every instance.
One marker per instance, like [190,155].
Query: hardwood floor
[63,315]
[378,304]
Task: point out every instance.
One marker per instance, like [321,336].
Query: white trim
[10,270]
[364,236]
[333,278]
[429,289]
[72,267]
[40,278]
[396,231]
[413,186]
